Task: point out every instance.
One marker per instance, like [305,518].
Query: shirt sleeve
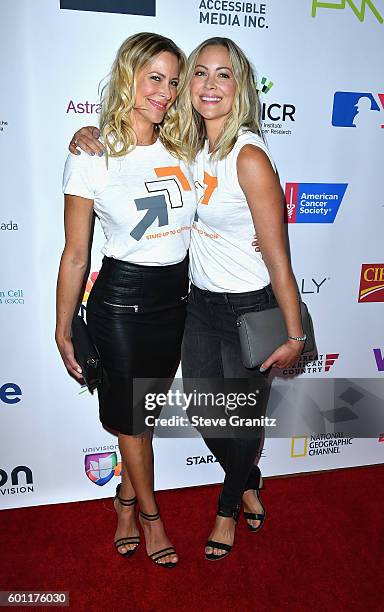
[78,176]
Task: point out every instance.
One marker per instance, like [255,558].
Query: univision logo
[101,467]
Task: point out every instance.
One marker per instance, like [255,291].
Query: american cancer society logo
[362,109]
[313,202]
[100,467]
[371,283]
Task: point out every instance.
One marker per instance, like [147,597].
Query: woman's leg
[126,515]
[138,334]
[137,455]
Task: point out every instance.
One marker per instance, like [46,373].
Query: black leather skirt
[136,316]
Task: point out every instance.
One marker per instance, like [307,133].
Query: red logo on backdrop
[330,359]
[371,283]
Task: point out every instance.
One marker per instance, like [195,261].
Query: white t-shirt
[145,202]
[222,257]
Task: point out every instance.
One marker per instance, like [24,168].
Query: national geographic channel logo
[318,444]
[342,4]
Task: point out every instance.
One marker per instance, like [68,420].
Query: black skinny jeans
[211,349]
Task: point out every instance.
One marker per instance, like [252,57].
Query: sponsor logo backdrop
[323,114]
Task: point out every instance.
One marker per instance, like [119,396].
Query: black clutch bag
[261,333]
[86,353]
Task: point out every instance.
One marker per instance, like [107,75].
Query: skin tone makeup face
[156,90]
[213,88]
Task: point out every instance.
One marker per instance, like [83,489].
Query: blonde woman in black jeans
[238,193]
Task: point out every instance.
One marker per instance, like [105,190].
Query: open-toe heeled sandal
[253,516]
[164,552]
[131,540]
[221,545]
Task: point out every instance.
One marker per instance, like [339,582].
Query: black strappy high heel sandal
[164,552]
[255,484]
[121,542]
[220,545]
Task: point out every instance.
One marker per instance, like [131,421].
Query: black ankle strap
[125,502]
[150,517]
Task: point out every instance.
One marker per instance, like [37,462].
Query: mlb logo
[357,109]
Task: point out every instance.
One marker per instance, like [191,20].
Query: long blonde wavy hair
[187,125]
[119,94]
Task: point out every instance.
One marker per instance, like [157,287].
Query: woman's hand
[65,347]
[87,139]
[255,243]
[284,356]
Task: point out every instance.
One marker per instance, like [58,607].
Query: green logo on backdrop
[360,13]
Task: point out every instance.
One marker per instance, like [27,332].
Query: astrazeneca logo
[379,358]
[313,202]
[125,7]
[358,109]
[81,108]
[318,444]
[101,467]
[371,283]
[10,393]
[15,477]
[342,4]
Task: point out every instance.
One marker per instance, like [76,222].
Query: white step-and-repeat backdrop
[319,67]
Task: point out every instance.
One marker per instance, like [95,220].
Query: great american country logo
[358,109]
[313,202]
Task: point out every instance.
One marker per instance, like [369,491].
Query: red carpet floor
[321,548]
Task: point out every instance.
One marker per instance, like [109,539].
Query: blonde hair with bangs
[188,125]
[119,94]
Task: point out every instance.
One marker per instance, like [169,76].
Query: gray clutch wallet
[262,332]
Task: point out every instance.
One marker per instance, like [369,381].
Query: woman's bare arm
[263,192]
[74,260]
